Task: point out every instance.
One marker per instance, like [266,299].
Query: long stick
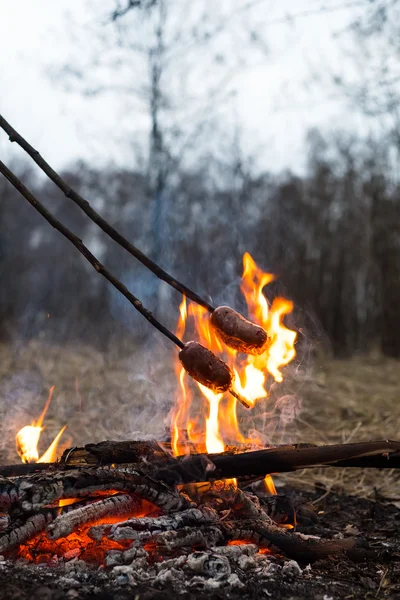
[14,136]
[200,467]
[87,254]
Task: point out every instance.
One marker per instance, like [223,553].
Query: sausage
[205,367]
[237,332]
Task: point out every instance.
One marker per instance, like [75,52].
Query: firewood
[64,524]
[250,465]
[18,534]
[110,452]
[39,490]
[237,462]
[299,547]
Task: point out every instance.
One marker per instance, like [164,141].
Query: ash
[228,572]
[234,572]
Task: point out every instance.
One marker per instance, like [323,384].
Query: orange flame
[213,423]
[27,439]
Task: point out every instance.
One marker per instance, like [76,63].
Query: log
[64,524]
[33,493]
[154,457]
[110,452]
[250,465]
[18,534]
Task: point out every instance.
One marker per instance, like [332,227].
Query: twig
[14,136]
[87,254]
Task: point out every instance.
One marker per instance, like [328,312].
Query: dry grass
[103,396]
[349,401]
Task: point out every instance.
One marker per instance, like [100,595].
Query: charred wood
[193,517]
[18,534]
[64,524]
[39,491]
[247,465]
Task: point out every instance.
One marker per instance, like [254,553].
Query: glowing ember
[27,439]
[217,421]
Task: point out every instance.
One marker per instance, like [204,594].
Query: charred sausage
[237,332]
[205,367]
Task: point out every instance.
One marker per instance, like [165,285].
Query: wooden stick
[236,463]
[14,136]
[250,465]
[87,254]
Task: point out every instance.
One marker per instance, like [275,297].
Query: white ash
[221,567]
[190,517]
[236,551]
[291,569]
[124,557]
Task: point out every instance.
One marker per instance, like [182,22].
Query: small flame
[214,441]
[269,485]
[27,439]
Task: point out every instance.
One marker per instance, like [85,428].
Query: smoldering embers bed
[238,571]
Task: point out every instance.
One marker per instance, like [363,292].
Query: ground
[334,578]
[120,395]
[128,392]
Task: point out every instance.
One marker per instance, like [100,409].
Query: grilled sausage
[205,367]
[237,332]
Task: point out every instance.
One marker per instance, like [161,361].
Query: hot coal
[246,574]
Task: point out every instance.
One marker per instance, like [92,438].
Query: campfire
[201,504]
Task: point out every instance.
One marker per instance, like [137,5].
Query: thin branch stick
[87,254]
[201,467]
[14,136]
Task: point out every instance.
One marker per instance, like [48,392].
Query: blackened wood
[236,463]
[41,490]
[21,470]
[19,534]
[249,465]
[110,452]
[296,546]
[121,505]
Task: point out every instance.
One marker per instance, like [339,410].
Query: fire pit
[198,512]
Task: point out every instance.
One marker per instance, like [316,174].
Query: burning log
[237,462]
[256,464]
[38,491]
[64,524]
[300,548]
[17,534]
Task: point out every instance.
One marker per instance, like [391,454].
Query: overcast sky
[275,100]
